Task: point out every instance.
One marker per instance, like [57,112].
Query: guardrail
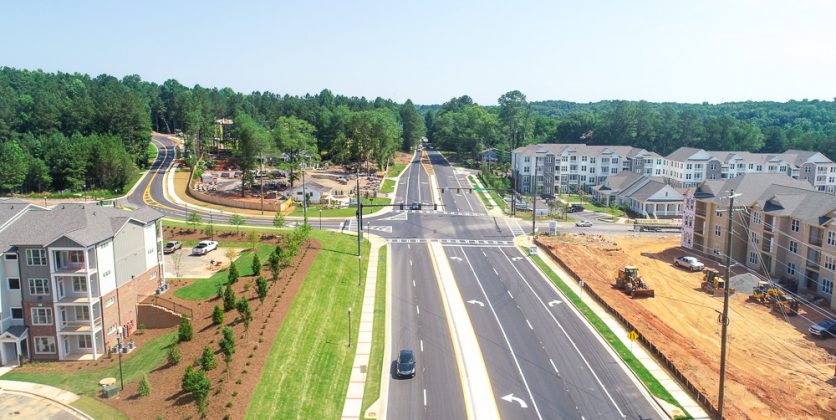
[170,305]
[695,392]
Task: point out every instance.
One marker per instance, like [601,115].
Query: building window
[718,212]
[794,247]
[807,169]
[592,160]
[44,344]
[79,284]
[760,168]
[753,258]
[111,329]
[527,159]
[35,257]
[756,217]
[751,166]
[85,342]
[755,239]
[38,286]
[11,256]
[41,316]
[791,269]
[110,301]
[716,251]
[795,225]
[14,284]
[689,166]
[17,313]
[831,238]
[830,263]
[716,230]
[82,313]
[583,158]
[827,286]
[614,171]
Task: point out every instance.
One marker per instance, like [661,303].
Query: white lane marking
[417,309]
[511,398]
[410,263]
[575,346]
[483,253]
[476,302]
[425,397]
[422,347]
[456,258]
[553,366]
[413,282]
[509,294]
[494,271]
[529,324]
[408,246]
[552,302]
[507,342]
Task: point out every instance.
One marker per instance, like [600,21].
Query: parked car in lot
[690,263]
[583,223]
[406,364]
[172,246]
[574,208]
[205,247]
[825,329]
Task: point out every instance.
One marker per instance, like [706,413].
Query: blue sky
[431,50]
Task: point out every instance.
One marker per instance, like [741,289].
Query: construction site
[775,369]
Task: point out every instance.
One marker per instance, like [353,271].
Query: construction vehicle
[628,279]
[773,296]
[713,284]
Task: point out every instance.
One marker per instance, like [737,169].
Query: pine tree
[233,273]
[207,359]
[256,265]
[144,386]
[185,332]
[217,315]
[229,299]
[261,288]
[274,262]
[174,356]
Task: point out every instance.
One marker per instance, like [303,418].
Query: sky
[430,51]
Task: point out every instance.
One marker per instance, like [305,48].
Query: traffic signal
[470,191]
[435,206]
[401,206]
[458,190]
[442,190]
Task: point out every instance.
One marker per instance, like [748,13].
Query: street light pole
[725,319]
[349,327]
[534,198]
[304,196]
[320,218]
[121,336]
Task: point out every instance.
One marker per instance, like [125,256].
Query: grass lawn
[372,392]
[395,169]
[307,371]
[388,186]
[635,365]
[86,382]
[97,410]
[482,194]
[152,153]
[313,210]
[202,289]
[93,194]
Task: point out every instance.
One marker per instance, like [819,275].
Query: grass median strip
[482,194]
[306,374]
[635,365]
[372,392]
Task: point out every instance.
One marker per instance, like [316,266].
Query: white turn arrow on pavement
[554,302]
[516,258]
[456,258]
[512,398]
[475,302]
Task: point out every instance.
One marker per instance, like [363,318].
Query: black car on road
[406,364]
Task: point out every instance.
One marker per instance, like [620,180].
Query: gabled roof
[750,186]
[84,224]
[11,208]
[812,207]
[619,181]
[685,153]
[654,187]
[580,149]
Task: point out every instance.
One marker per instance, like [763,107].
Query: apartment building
[72,277]
[791,236]
[563,167]
[649,197]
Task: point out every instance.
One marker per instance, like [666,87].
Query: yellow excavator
[767,294]
[713,284]
[628,279]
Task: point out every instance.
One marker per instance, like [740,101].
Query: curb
[67,407]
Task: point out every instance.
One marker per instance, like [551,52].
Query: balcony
[76,300]
[73,262]
[815,236]
[766,245]
[813,259]
[80,326]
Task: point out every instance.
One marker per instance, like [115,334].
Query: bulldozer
[767,294]
[713,284]
[628,279]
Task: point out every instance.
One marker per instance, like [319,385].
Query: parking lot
[181,264]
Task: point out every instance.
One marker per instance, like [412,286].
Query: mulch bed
[251,350]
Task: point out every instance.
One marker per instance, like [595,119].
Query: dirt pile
[775,370]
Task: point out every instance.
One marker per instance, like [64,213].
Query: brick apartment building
[72,277]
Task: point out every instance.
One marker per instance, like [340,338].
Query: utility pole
[304,195]
[359,213]
[262,184]
[534,198]
[725,317]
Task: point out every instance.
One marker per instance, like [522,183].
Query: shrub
[207,359]
[229,298]
[256,264]
[217,315]
[261,288]
[198,385]
[174,356]
[233,273]
[274,262]
[144,386]
[185,332]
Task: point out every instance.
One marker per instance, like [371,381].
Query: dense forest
[61,131]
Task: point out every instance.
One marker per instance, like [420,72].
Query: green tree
[253,236]
[196,383]
[218,315]
[174,355]
[256,267]
[261,288]
[144,389]
[227,345]
[229,298]
[13,162]
[185,331]
[37,177]
[295,137]
[278,219]
[237,220]
[232,275]
[244,312]
[194,219]
[413,126]
[207,359]
[275,268]
[253,139]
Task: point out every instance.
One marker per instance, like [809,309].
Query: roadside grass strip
[96,409]
[202,289]
[395,169]
[482,195]
[372,392]
[650,381]
[313,210]
[497,198]
[388,186]
[86,382]
[307,371]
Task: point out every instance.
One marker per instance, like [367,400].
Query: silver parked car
[690,263]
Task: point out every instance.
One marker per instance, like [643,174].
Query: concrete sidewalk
[359,370]
[670,384]
[58,398]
